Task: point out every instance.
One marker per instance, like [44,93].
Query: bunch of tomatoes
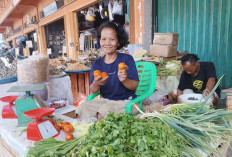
[97,73]
[67,128]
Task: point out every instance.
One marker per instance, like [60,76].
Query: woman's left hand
[122,74]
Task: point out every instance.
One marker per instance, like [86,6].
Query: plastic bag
[81,98]
[117,7]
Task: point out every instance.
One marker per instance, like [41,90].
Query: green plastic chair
[147,81]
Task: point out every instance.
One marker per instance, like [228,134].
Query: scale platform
[9,111]
[27,102]
[40,128]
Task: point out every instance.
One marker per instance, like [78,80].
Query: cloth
[114,89]
[167,84]
[198,83]
[103,106]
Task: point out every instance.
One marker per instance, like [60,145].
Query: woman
[200,77]
[119,87]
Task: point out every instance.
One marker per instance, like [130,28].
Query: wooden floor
[4,152]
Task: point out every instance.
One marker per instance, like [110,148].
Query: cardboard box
[163,50]
[166,38]
[229,102]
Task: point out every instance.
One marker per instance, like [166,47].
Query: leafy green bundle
[122,135]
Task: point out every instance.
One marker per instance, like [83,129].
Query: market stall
[55,38]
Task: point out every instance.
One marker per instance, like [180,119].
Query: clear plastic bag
[81,98]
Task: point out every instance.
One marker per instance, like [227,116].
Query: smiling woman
[119,84]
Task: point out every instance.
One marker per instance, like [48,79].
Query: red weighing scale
[40,128]
[9,111]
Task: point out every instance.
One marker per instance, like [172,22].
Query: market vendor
[119,87]
[197,77]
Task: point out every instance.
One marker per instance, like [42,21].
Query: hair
[121,33]
[191,58]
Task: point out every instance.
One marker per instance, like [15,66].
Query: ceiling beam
[7,24]
[3,27]
[15,16]
[29,3]
[26,5]
[2,30]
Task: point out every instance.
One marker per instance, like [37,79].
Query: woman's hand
[122,74]
[99,81]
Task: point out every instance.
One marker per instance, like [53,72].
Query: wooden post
[74,87]
[87,81]
[42,40]
[71,35]
[81,83]
[136,21]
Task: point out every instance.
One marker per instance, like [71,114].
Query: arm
[209,86]
[182,85]
[128,83]
[211,76]
[179,92]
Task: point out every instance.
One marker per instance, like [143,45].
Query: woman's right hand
[98,81]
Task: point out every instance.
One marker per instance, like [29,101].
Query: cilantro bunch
[120,135]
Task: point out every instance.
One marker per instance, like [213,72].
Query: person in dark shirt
[119,87]
[198,76]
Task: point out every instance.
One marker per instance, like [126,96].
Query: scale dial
[47,129]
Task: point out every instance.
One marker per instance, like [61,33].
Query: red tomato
[60,124]
[69,137]
[57,127]
[65,123]
[68,128]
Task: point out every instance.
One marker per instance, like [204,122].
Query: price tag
[47,130]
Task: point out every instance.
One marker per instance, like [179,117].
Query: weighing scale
[9,111]
[26,102]
[40,128]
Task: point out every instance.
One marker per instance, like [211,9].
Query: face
[109,40]
[191,68]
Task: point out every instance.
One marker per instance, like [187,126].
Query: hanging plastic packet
[117,7]
[90,16]
[111,18]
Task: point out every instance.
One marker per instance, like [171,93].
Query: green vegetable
[121,135]
[53,148]
[170,68]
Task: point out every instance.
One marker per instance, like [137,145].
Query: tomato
[122,66]
[103,75]
[68,128]
[65,123]
[97,73]
[60,124]
[69,137]
[57,127]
